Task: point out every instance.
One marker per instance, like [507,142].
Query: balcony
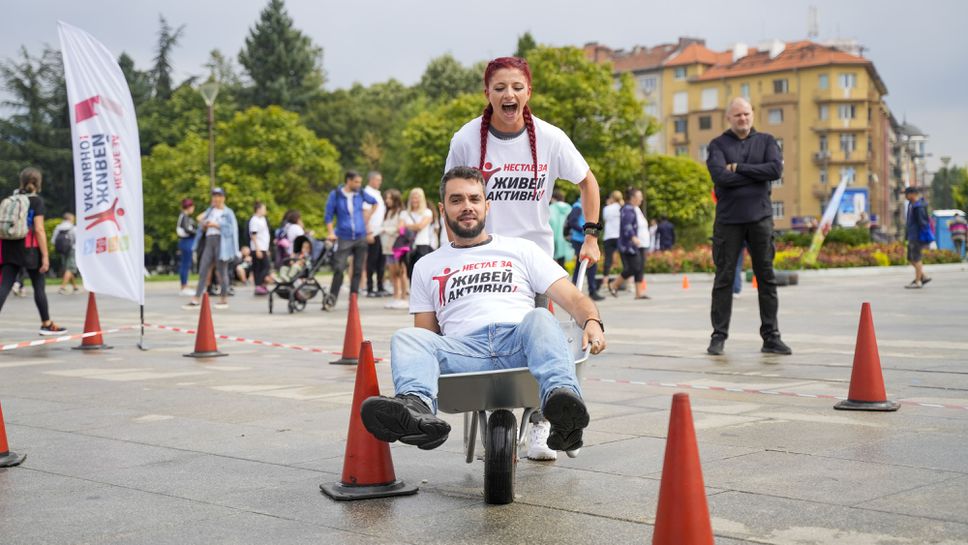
[839,94]
[680,138]
[824,158]
[840,125]
[778,98]
[821,158]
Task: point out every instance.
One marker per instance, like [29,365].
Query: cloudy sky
[917,47]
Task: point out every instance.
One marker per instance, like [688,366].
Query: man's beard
[462,232]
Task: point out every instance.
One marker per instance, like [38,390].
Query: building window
[710,99]
[703,152]
[779,144]
[680,72]
[652,109]
[778,210]
[744,90]
[647,84]
[705,122]
[823,176]
[680,102]
[847,111]
[777,183]
[682,150]
[849,173]
[823,82]
[848,142]
[780,86]
[823,143]
[774,116]
[824,112]
[848,80]
[680,124]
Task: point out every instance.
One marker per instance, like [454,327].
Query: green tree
[264,154]
[959,187]
[526,44]
[679,188]
[427,140]
[139,82]
[161,72]
[446,78]
[36,130]
[365,123]
[283,64]
[943,185]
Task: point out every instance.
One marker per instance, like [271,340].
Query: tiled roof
[638,59]
[698,53]
[802,54]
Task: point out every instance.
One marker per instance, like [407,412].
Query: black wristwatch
[592,229]
[600,323]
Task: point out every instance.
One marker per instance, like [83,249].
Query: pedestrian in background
[743,164]
[259,246]
[375,262]
[959,233]
[611,213]
[628,245]
[576,222]
[29,252]
[346,225]
[417,218]
[559,214]
[395,258]
[666,232]
[918,234]
[186,229]
[218,229]
[64,238]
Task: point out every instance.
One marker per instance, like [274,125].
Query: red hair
[512,63]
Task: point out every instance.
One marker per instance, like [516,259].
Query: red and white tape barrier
[64,338]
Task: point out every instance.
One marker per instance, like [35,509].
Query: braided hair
[514,63]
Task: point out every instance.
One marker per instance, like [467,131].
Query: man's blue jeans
[419,356]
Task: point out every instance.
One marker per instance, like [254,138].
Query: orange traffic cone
[7,458]
[685,282]
[645,285]
[866,380]
[92,324]
[682,517]
[205,346]
[353,336]
[755,285]
[367,465]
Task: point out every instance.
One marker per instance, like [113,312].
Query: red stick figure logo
[442,282]
[488,171]
[111,214]
[85,109]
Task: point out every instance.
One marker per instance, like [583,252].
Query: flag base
[10,459]
[345,361]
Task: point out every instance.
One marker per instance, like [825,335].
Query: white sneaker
[187,292]
[538,442]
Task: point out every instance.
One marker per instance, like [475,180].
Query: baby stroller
[301,285]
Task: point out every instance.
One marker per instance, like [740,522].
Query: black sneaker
[716,345]
[51,329]
[925,280]
[383,293]
[596,297]
[774,345]
[568,416]
[371,294]
[406,418]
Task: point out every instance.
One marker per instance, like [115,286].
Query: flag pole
[141,341]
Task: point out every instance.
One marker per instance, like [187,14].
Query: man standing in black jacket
[743,163]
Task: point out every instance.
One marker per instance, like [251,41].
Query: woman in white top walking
[417,219]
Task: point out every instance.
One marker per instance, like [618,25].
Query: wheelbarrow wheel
[500,457]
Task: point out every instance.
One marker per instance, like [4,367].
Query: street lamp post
[209,91]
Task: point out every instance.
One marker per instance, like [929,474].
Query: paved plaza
[132,447]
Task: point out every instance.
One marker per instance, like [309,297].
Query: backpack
[63,242]
[13,217]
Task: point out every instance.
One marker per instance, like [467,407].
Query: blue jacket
[229,230]
[628,229]
[576,222]
[917,220]
[336,205]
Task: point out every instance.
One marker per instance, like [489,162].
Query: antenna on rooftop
[813,23]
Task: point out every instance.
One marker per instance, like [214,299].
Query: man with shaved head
[743,163]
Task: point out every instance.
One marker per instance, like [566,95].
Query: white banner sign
[107,168]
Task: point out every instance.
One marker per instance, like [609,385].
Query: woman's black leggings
[8,275]
[632,266]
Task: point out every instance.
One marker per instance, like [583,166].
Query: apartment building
[823,103]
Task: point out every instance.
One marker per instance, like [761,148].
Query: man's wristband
[600,324]
[592,229]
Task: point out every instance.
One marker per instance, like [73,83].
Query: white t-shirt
[294,231]
[214,215]
[612,217]
[423,235]
[376,218]
[518,208]
[470,288]
[259,226]
[645,239]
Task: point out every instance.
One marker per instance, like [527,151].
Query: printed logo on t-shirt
[482,277]
[516,182]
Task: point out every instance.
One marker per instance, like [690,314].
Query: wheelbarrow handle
[582,268]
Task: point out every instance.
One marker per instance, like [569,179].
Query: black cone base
[883,406]
[342,492]
[345,361]
[215,354]
[10,459]
[92,347]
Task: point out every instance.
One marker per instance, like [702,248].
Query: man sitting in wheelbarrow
[473,307]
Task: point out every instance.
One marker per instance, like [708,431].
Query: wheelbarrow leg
[470,436]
